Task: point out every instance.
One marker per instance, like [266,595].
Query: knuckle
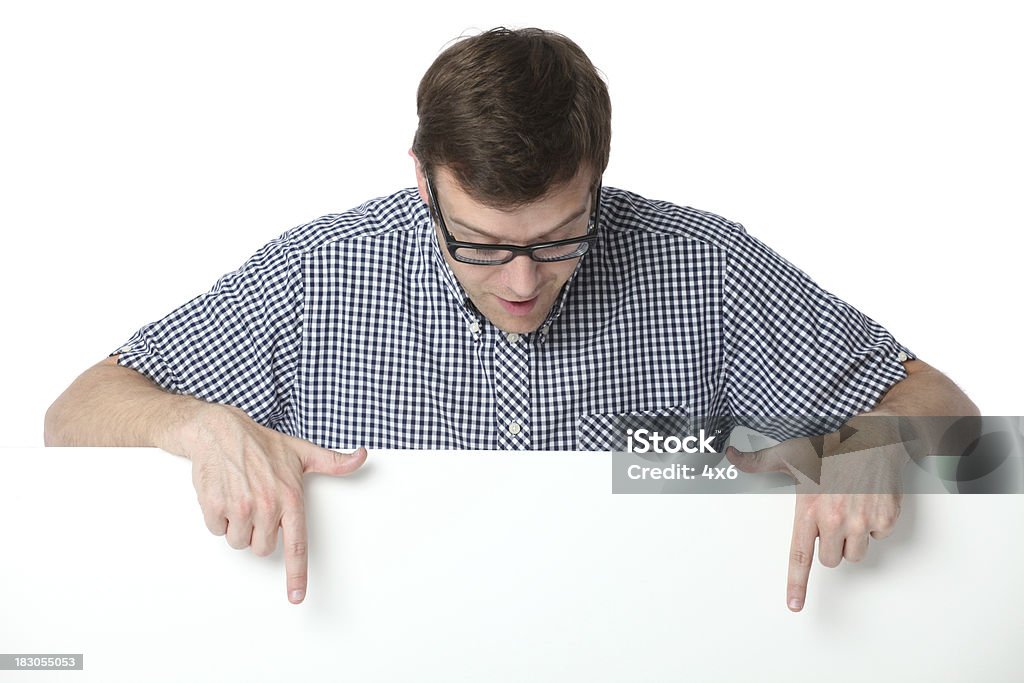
[857,528]
[800,558]
[217,529]
[807,507]
[297,549]
[268,504]
[292,497]
[241,509]
[887,520]
[830,521]
[261,550]
[266,520]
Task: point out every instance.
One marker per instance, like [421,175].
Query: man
[509,301]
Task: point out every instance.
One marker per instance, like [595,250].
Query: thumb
[764,460]
[325,461]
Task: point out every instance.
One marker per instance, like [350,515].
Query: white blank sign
[489,566]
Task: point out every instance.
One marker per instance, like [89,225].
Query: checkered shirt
[353,331]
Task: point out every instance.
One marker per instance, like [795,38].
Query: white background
[145,149]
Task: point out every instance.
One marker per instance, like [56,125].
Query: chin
[506,323]
[518,324]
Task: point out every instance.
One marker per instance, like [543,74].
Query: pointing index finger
[296,559]
[801,555]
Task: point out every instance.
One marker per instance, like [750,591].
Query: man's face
[515,296]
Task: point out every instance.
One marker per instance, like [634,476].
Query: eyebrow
[482,233]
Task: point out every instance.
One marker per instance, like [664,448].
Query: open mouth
[518,307]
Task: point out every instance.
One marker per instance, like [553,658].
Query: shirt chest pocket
[611,431]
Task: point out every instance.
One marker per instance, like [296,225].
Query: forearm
[109,405]
[927,401]
[925,391]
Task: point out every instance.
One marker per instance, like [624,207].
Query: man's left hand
[849,488]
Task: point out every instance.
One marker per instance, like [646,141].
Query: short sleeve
[799,360]
[237,344]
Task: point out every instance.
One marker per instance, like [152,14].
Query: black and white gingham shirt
[352,331]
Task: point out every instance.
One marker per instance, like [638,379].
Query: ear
[421,180]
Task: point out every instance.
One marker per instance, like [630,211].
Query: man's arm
[109,405]
[843,521]
[925,391]
[248,478]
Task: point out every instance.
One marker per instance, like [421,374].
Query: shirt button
[512,337]
[514,427]
[902,357]
[474,327]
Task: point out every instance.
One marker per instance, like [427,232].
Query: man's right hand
[249,482]
[248,477]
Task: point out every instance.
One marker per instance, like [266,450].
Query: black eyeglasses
[480,254]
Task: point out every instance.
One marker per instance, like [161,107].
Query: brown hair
[513,114]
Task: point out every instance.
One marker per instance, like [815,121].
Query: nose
[522,277]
